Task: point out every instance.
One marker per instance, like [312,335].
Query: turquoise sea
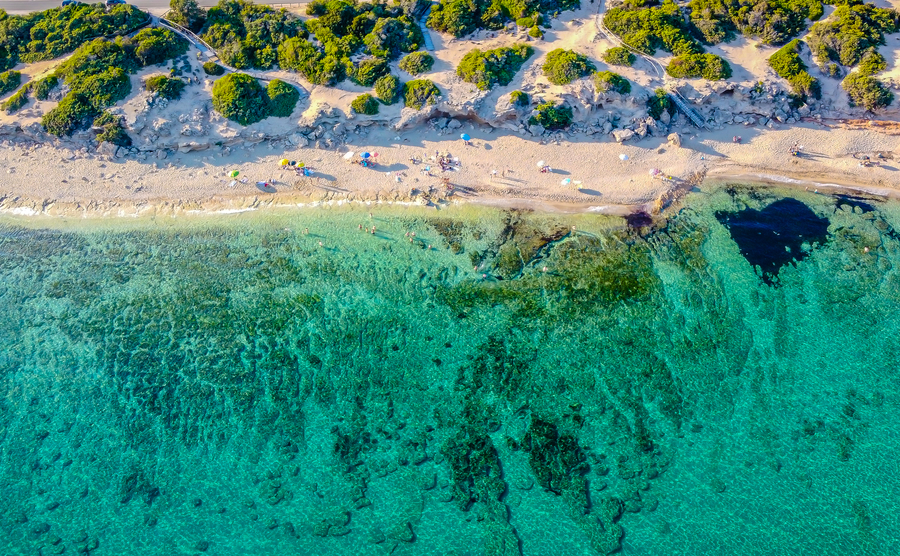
[499,383]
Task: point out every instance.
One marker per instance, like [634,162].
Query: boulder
[298,140]
[536,129]
[674,139]
[454,124]
[665,118]
[622,135]
[107,148]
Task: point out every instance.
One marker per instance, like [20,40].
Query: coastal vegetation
[247,35]
[850,32]
[497,66]
[388,89]
[212,68]
[418,93]
[461,17]
[366,72]
[241,98]
[187,13]
[9,81]
[51,33]
[610,82]
[788,64]
[283,98]
[551,116]
[43,86]
[771,22]
[418,62]
[519,98]
[166,87]
[112,129]
[365,104]
[708,66]
[660,102]
[18,100]
[648,26]
[619,56]
[564,66]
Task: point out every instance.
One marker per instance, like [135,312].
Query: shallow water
[230,386]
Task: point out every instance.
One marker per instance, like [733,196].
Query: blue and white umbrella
[465,137]
[365,155]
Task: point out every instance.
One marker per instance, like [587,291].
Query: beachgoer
[493,174]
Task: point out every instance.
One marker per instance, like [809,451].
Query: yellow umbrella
[284,162]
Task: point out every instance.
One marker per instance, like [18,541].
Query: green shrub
[564,66]
[551,116]
[872,62]
[607,81]
[619,56]
[42,87]
[9,81]
[212,68]
[94,57]
[317,67]
[365,104]
[18,100]
[660,102]
[771,21]
[461,17]
[415,63]
[367,72]
[113,130]
[499,65]
[850,32]
[388,89]
[155,46]
[392,36]
[647,28]
[102,89]
[535,32]
[707,66]
[187,13]
[283,98]
[866,91]
[248,35]
[519,98]
[418,93]
[788,64]
[525,22]
[72,113]
[51,33]
[165,87]
[240,98]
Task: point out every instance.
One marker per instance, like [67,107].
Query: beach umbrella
[465,137]
[566,181]
[233,174]
[374,155]
[301,164]
[293,163]
[284,162]
[654,171]
[623,157]
[365,155]
[349,155]
[541,164]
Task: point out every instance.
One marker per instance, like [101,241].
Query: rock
[674,139]
[298,140]
[665,117]
[339,128]
[622,135]
[454,124]
[441,123]
[803,111]
[536,129]
[607,127]
[107,149]
[763,121]
[161,154]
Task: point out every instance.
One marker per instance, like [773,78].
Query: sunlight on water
[461,382]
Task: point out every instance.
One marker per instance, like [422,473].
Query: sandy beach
[50,181]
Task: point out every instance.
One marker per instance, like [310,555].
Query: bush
[866,91]
[647,28]
[707,66]
[187,13]
[619,56]
[499,65]
[9,81]
[387,89]
[94,57]
[72,113]
[850,32]
[416,63]
[788,64]
[318,68]
[461,17]
[248,35]
[551,116]
[519,98]
[393,35]
[365,104]
[18,100]
[872,62]
[164,86]
[607,81]
[51,33]
[773,22]
[418,93]
[283,98]
[102,89]
[113,130]
[367,72]
[42,87]
[212,68]
[240,98]
[659,102]
[564,66]
[525,22]
[155,46]
[535,32]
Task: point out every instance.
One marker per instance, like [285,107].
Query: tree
[187,13]
[240,98]
[365,104]
[564,66]
[283,98]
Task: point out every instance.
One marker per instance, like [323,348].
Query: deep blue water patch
[774,236]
